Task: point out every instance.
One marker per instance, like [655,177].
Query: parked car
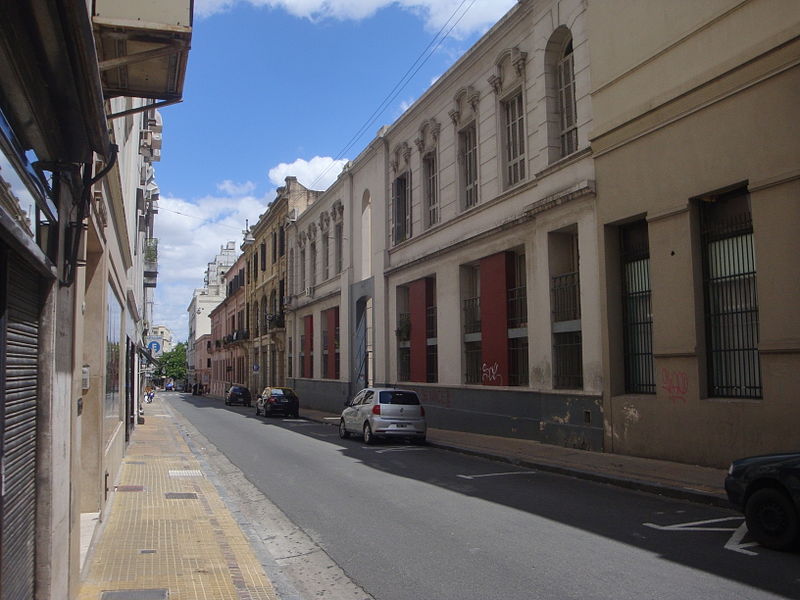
[278,400]
[384,413]
[238,394]
[767,490]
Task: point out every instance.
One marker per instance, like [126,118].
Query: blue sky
[281,87]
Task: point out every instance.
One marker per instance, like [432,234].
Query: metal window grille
[472,315]
[469,153]
[567,361]
[291,361]
[517,307]
[515,139]
[432,363]
[518,361]
[404,364]
[566,295]
[566,99]
[472,362]
[637,316]
[430,322]
[431,191]
[404,326]
[325,353]
[302,356]
[731,302]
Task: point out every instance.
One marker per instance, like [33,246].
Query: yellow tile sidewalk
[189,545]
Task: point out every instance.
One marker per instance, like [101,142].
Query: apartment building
[696,145]
[79,131]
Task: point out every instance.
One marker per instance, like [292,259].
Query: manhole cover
[135,595]
[180,496]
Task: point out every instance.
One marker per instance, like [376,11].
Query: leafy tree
[173,363]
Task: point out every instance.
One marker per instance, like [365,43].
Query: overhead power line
[423,57]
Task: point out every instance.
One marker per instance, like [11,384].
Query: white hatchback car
[384,413]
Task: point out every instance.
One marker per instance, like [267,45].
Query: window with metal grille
[431,189]
[731,302]
[401,189]
[472,362]
[566,101]
[432,363]
[302,356]
[430,322]
[567,361]
[468,153]
[404,363]
[637,316]
[566,295]
[290,356]
[518,361]
[514,126]
[517,294]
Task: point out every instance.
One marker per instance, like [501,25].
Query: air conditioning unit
[309,291]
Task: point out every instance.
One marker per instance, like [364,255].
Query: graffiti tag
[490,374]
[675,384]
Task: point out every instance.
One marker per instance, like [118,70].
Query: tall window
[312,267]
[325,255]
[401,193]
[281,241]
[514,130]
[566,310]
[517,302]
[302,269]
[637,317]
[468,156]
[337,241]
[431,191]
[731,302]
[263,256]
[565,73]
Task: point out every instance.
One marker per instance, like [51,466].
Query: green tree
[173,363]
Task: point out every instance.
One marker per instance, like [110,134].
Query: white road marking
[734,543]
[496,474]
[394,449]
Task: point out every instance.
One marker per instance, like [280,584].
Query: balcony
[143,47]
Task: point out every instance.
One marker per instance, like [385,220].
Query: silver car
[384,413]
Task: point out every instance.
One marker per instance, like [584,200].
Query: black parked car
[278,400]
[238,394]
[767,490]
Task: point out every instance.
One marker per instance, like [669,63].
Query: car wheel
[771,519]
[343,433]
[368,437]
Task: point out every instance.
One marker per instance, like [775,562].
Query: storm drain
[160,594]
[180,496]
[130,488]
[185,473]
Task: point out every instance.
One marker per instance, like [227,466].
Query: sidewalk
[167,533]
[677,480]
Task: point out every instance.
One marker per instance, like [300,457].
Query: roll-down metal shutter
[20,307]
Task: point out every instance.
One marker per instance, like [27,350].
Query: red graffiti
[675,384]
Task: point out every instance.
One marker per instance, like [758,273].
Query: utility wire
[420,61]
[175,212]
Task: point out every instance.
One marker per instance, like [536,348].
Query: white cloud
[236,189]
[189,236]
[435,13]
[318,173]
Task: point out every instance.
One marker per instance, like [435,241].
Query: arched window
[562,121]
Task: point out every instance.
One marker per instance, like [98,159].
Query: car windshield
[399,398]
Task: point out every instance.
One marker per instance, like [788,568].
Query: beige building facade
[696,145]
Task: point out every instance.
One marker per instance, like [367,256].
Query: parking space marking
[733,544]
[394,449]
[496,474]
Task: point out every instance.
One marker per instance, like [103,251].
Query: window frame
[512,109]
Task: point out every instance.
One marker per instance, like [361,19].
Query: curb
[668,491]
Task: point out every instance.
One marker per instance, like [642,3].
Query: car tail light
[270,400]
[421,410]
[376,409]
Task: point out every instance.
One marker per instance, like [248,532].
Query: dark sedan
[238,394]
[767,490]
[278,400]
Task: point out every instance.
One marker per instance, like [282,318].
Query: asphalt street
[410,522]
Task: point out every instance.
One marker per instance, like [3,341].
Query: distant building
[206,299]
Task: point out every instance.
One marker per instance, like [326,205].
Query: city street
[405,521]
